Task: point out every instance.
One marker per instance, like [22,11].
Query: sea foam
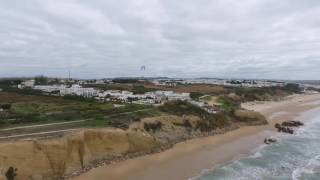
[294,157]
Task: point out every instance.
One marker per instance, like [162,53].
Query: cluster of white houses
[154,97]
[149,98]
[117,96]
[223,82]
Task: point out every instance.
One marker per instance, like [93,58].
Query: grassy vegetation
[121,120]
[183,108]
[228,104]
[232,113]
[140,89]
[249,117]
[206,98]
[32,109]
[265,93]
[196,95]
[28,106]
[196,91]
[208,121]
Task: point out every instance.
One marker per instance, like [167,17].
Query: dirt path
[42,125]
[46,133]
[42,133]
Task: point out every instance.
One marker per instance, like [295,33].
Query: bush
[228,104]
[41,80]
[78,98]
[2,122]
[152,126]
[6,106]
[125,80]
[140,89]
[266,93]
[294,88]
[196,95]
[251,117]
[183,107]
[8,83]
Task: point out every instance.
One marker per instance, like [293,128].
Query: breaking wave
[294,157]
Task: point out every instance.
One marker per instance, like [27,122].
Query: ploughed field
[35,115]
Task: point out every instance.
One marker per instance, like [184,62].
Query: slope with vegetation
[79,152]
[132,130]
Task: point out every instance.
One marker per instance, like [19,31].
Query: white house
[28,83]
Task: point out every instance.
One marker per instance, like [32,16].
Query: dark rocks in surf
[269,140]
[292,123]
[286,126]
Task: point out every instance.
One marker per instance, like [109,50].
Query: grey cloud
[219,38]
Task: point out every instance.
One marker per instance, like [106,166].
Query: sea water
[293,157]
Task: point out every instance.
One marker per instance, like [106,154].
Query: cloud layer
[183,38]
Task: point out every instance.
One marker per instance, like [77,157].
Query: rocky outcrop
[269,140]
[287,126]
[292,123]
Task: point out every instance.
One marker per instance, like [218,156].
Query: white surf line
[43,125]
[39,133]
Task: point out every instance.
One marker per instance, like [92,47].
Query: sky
[272,39]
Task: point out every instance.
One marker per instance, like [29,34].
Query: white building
[48,88]
[79,91]
[27,83]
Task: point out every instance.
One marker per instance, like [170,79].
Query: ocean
[293,157]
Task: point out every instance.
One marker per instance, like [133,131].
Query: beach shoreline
[188,159]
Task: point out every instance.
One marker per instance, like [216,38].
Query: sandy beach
[190,158]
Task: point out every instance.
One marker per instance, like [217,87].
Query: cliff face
[50,159]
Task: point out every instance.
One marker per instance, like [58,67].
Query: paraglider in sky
[143,68]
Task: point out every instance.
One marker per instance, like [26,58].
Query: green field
[33,109]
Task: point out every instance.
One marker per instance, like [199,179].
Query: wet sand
[188,159]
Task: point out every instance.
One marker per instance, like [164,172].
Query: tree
[54,81]
[295,88]
[41,80]
[6,106]
[11,173]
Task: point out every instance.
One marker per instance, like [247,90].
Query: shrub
[140,89]
[6,106]
[152,126]
[228,104]
[196,95]
[251,117]
[295,88]
[183,107]
[78,98]
[41,80]
[125,80]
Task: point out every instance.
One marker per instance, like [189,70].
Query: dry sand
[188,159]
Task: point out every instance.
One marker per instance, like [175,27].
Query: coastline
[187,159]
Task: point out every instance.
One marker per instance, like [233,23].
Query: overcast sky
[175,38]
